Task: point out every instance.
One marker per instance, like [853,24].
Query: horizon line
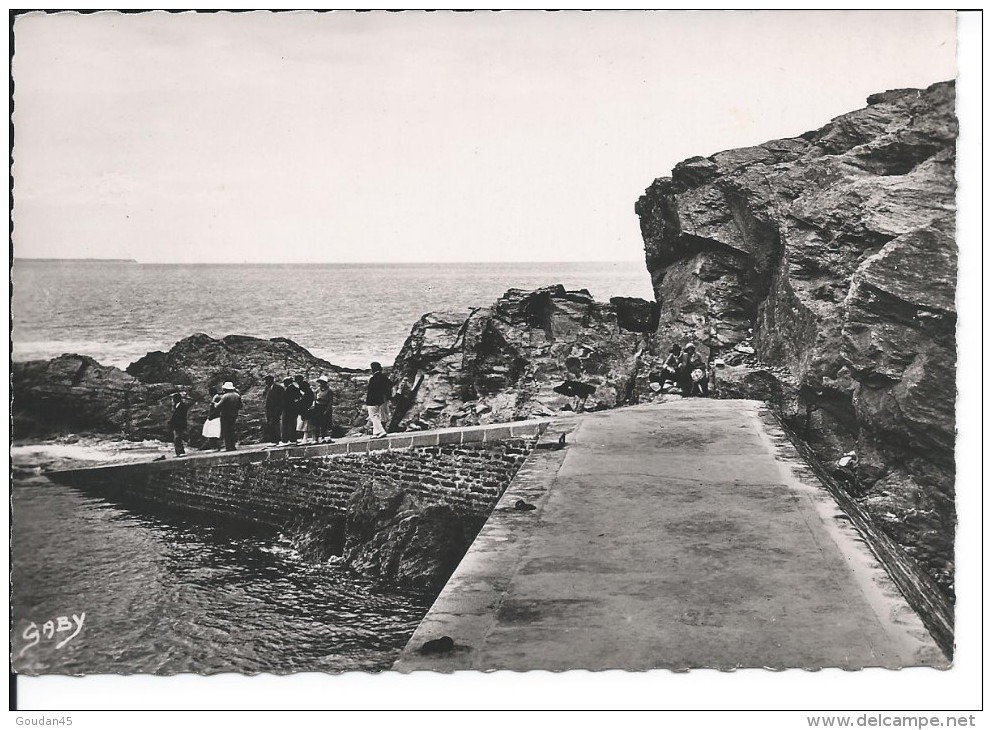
[315,263]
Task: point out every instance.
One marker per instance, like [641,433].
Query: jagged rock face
[502,363]
[74,393]
[199,361]
[837,249]
[393,537]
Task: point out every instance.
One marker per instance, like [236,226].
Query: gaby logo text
[62,630]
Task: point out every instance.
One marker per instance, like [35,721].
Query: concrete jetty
[681,535]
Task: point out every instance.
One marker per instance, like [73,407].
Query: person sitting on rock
[670,370]
[229,407]
[178,423]
[684,372]
[692,374]
[377,397]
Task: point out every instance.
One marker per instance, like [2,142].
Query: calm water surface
[168,594]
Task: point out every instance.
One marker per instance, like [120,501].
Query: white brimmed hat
[323,379]
[228,386]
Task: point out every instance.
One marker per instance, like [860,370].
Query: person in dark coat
[320,415]
[274,395]
[377,397]
[229,407]
[684,372]
[290,406]
[178,422]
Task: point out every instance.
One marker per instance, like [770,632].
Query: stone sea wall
[402,510]
[280,492]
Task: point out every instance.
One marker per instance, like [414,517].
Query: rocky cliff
[822,269]
[502,363]
[199,361]
[398,538]
[817,273]
[74,393]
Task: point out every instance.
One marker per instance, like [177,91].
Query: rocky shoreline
[817,273]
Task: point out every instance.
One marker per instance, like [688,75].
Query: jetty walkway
[685,534]
[680,535]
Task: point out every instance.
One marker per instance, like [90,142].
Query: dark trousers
[273,427]
[177,441]
[288,426]
[227,431]
[321,419]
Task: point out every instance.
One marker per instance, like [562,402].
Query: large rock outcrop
[397,538]
[832,257]
[503,362]
[74,393]
[199,362]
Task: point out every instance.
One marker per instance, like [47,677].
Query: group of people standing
[295,412]
[222,414]
[687,370]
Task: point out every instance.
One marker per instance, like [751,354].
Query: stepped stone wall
[466,469]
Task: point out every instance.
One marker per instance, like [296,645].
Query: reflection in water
[167,594]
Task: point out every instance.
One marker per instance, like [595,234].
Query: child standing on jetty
[379,392]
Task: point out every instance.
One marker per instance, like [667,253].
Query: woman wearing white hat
[228,407]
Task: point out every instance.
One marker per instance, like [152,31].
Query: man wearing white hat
[228,407]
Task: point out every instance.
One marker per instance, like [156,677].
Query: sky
[412,137]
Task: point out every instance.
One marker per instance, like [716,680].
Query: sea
[166,593]
[348,314]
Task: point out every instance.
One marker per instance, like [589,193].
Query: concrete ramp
[675,536]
